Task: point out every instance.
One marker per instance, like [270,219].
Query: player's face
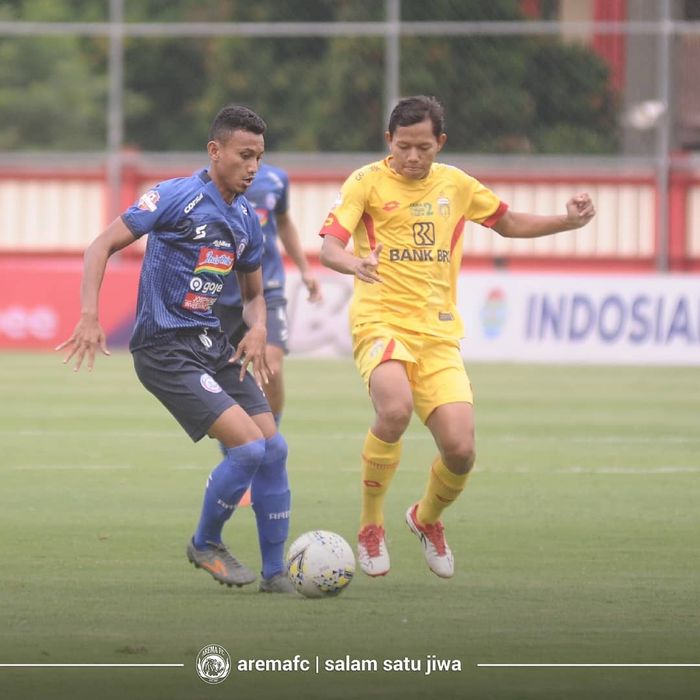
[414,148]
[235,161]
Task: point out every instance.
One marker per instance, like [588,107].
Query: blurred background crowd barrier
[544,98]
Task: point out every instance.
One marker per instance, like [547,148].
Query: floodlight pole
[115,108]
[663,136]
[392,56]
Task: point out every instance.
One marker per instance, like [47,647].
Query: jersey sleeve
[252,255]
[485,207]
[347,210]
[282,205]
[156,209]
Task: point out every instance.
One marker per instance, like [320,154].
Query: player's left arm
[289,235]
[579,211]
[251,349]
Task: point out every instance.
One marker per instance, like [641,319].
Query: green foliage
[502,94]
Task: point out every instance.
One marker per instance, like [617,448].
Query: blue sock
[225,487]
[271,503]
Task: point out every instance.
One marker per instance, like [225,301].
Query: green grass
[577,540]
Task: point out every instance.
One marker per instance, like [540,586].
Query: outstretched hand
[580,210]
[366,269]
[87,338]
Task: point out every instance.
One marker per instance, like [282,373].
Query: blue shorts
[190,375]
[233,325]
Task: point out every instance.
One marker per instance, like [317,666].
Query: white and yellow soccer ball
[320,564]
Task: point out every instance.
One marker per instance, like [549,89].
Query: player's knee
[250,454]
[276,449]
[394,416]
[459,457]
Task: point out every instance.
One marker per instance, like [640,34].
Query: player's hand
[366,269]
[87,338]
[251,351]
[313,287]
[580,210]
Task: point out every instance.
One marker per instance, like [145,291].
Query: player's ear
[213,150]
[387,138]
[441,141]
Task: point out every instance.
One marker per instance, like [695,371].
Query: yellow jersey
[420,224]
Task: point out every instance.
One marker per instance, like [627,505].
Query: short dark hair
[234,117]
[413,110]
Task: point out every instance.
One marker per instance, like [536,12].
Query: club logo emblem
[213,664]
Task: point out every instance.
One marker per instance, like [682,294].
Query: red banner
[40,300]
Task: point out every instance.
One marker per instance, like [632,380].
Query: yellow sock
[379,462]
[443,488]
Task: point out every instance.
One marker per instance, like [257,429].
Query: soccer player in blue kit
[200,228]
[269,197]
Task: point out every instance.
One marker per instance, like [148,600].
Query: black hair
[234,117]
[413,110]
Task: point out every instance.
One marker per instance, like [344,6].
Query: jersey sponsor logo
[445,316]
[421,209]
[221,244]
[263,216]
[423,233]
[197,284]
[210,384]
[197,302]
[200,232]
[420,255]
[390,206]
[194,203]
[241,248]
[219,262]
[149,200]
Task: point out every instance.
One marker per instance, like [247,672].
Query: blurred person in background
[269,197]
[200,229]
[406,215]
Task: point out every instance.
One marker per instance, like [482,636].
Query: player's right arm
[338,258]
[88,336]
[337,231]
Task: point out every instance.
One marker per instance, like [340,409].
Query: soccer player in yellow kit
[406,215]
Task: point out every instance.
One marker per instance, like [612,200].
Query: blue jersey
[269,196]
[195,240]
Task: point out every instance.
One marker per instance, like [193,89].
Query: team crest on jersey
[149,200]
[443,206]
[390,206]
[219,262]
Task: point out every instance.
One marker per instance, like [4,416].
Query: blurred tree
[52,89]
[502,94]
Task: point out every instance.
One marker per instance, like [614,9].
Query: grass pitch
[576,542]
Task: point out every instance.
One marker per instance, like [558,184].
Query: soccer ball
[320,564]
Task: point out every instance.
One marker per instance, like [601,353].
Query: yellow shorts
[434,365]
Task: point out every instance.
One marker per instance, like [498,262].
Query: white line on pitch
[588,665]
[92,665]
